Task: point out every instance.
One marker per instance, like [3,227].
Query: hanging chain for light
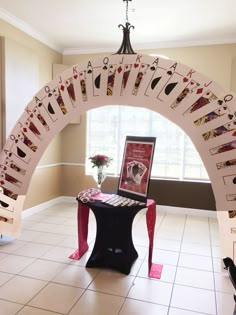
[127,10]
[126,47]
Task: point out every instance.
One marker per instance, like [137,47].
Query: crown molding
[26,28]
[152,45]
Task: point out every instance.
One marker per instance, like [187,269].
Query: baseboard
[160,208]
[187,211]
[47,204]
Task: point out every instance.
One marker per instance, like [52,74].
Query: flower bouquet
[100,161]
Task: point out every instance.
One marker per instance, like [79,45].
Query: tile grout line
[212,266]
[177,265]
[144,261]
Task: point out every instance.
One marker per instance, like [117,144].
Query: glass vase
[99,176]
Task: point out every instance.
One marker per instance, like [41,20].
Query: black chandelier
[126,47]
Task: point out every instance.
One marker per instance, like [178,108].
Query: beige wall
[44,186]
[218,62]
[46,182]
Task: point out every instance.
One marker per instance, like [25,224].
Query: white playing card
[162,73]
[202,96]
[136,75]
[31,112]
[183,80]
[6,203]
[52,102]
[111,78]
[215,110]
[37,108]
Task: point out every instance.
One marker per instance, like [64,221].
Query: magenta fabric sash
[154,270]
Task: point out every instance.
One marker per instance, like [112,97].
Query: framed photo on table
[136,167]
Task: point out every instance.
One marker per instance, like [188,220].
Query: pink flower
[100,160]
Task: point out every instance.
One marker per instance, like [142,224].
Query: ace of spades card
[161,73]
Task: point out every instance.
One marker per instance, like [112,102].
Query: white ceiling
[82,26]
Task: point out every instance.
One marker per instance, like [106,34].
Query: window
[175,156]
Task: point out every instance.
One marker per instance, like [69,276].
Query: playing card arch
[203,109]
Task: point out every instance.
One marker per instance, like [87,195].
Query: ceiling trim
[150,46]
[26,28]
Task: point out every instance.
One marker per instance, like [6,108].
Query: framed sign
[136,167]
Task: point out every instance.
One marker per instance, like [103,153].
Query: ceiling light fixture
[126,47]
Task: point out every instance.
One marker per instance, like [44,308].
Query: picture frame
[136,167]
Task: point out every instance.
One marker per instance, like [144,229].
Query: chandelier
[126,47]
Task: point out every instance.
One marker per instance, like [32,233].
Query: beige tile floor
[38,278]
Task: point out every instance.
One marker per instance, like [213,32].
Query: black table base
[113,246]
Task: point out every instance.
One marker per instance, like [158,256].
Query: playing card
[35,121]
[50,102]
[96,80]
[202,96]
[205,99]
[214,114]
[222,148]
[111,79]
[189,89]
[228,127]
[6,203]
[82,79]
[141,73]
[7,174]
[125,76]
[162,73]
[67,91]
[226,164]
[36,108]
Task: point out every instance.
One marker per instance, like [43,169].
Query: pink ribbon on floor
[154,270]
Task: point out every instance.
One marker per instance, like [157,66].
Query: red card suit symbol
[2,182]
[154,82]
[199,91]
[234,134]
[25,129]
[62,87]
[170,87]
[75,76]
[135,65]
[192,83]
[98,81]
[50,109]
[185,79]
[21,153]
[31,115]
[119,69]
